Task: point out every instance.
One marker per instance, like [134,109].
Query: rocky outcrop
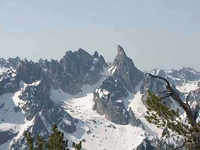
[188,74]
[80,68]
[13,62]
[74,70]
[35,81]
[133,120]
[9,82]
[195,96]
[2,62]
[37,105]
[108,100]
[95,72]
[34,100]
[5,136]
[10,62]
[126,70]
[154,144]
[194,99]
[54,70]
[145,145]
[122,78]
[29,72]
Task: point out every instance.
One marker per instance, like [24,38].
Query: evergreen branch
[177,98]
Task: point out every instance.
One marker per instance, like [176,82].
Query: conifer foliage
[55,141]
[170,121]
[77,146]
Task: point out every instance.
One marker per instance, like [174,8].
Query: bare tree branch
[165,97]
[177,98]
[159,77]
[187,98]
[191,130]
[164,92]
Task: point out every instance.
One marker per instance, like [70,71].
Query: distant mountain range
[99,103]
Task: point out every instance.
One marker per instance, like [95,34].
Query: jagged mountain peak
[53,91]
[10,62]
[96,54]
[158,71]
[120,50]
[124,67]
[121,61]
[122,79]
[16,58]
[79,53]
[121,56]
[184,69]
[2,59]
[29,71]
[191,70]
[81,50]
[25,60]
[40,61]
[185,73]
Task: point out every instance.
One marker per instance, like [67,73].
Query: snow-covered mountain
[99,103]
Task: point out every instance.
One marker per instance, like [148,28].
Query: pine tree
[77,146]
[40,144]
[29,140]
[170,121]
[54,142]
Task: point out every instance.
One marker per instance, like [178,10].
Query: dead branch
[176,97]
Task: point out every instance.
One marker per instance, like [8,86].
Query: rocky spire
[121,76]
[121,50]
[126,69]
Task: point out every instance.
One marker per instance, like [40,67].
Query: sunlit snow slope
[95,130]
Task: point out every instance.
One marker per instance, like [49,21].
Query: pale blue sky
[154,33]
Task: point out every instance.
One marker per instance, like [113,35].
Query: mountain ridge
[115,96]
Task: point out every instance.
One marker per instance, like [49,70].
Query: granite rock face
[33,83]
[133,120]
[13,62]
[37,105]
[29,71]
[80,68]
[74,70]
[10,62]
[126,70]
[195,95]
[154,144]
[122,77]
[5,136]
[9,82]
[145,145]
[34,88]
[185,73]
[109,100]
[54,70]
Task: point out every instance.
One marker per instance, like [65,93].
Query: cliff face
[121,79]
[74,70]
[31,84]
[126,70]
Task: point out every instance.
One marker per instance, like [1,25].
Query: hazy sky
[154,33]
